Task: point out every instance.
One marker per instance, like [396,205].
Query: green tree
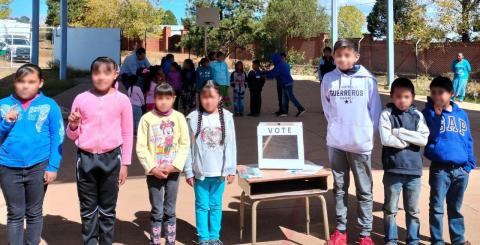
[76,12]
[459,16]
[350,22]
[169,18]
[22,19]
[5,8]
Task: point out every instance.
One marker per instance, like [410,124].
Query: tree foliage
[169,18]
[459,16]
[350,22]
[5,8]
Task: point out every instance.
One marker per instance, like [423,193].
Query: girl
[188,82]
[204,73]
[154,77]
[31,132]
[212,159]
[238,81]
[174,78]
[137,99]
[101,124]
[221,75]
[162,148]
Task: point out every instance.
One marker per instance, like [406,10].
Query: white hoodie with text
[352,107]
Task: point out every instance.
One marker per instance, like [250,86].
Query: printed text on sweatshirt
[106,123]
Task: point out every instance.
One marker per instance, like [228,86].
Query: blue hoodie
[36,136]
[281,71]
[450,140]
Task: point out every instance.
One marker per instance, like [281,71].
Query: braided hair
[205,89]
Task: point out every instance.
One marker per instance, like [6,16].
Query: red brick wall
[151,44]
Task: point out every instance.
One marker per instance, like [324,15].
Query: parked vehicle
[18,49]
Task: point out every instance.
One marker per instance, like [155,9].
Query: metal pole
[334,22]
[416,59]
[205,44]
[35,31]
[63,27]
[390,42]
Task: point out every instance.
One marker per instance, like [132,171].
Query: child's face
[164,103]
[103,78]
[239,67]
[210,100]
[255,66]
[345,58]
[28,87]
[440,96]
[206,64]
[327,53]
[221,58]
[173,68]
[402,98]
[159,76]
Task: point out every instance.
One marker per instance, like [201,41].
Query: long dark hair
[152,73]
[104,61]
[207,88]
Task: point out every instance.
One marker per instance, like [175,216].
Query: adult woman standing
[461,69]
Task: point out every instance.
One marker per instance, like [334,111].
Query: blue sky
[24,7]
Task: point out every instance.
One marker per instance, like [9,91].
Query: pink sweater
[106,123]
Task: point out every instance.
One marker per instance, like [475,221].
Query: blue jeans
[447,183]
[238,96]
[208,207]
[137,114]
[342,163]
[289,96]
[410,186]
[459,88]
[23,189]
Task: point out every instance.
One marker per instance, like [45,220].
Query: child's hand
[230,179]
[438,109]
[74,119]
[191,181]
[159,173]
[170,169]
[12,115]
[123,175]
[49,177]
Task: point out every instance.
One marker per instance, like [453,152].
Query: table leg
[307,214]
[325,219]
[254,222]
[242,214]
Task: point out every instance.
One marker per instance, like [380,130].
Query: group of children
[203,146]
[353,110]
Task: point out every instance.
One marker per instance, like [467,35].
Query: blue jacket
[281,71]
[203,75]
[461,69]
[36,136]
[450,140]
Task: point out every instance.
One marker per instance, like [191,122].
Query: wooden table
[279,185]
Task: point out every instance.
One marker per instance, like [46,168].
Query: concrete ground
[279,222]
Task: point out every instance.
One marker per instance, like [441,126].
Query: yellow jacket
[162,140]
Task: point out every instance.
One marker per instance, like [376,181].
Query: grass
[53,85]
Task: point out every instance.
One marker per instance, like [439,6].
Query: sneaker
[283,115]
[204,243]
[338,238]
[215,242]
[300,112]
[366,240]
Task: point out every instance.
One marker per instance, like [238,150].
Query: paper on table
[308,168]
[250,172]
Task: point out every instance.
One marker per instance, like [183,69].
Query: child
[101,124]
[255,82]
[212,159]
[137,99]
[31,132]
[352,107]
[154,77]
[188,85]
[167,62]
[238,81]
[450,150]
[221,76]
[402,131]
[281,72]
[162,148]
[174,78]
[204,73]
[327,64]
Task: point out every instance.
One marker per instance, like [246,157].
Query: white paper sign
[280,145]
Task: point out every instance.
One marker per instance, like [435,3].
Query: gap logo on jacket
[402,134]
[352,107]
[36,136]
[450,140]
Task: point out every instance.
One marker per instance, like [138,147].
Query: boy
[255,82]
[352,107]
[327,63]
[402,131]
[281,72]
[450,150]
[221,76]
[169,59]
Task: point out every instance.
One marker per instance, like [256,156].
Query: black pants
[255,101]
[23,190]
[280,98]
[97,185]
